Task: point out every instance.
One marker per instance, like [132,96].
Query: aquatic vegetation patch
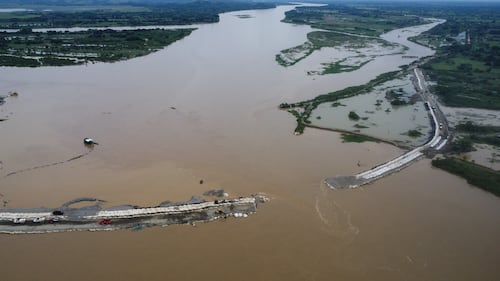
[357,138]
[414,133]
[302,110]
[291,56]
[358,50]
[353,116]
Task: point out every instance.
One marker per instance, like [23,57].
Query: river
[222,80]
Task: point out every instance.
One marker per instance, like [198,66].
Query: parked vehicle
[105,221]
[19,220]
[38,220]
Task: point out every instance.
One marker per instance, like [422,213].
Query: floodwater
[379,118]
[418,224]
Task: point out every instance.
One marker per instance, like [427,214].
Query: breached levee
[94,218]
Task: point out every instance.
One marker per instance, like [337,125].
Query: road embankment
[94,218]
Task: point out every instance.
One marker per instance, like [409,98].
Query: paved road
[439,140]
[431,99]
[44,220]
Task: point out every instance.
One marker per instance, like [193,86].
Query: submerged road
[438,141]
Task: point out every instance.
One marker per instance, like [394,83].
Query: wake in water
[336,220]
[49,165]
[5,201]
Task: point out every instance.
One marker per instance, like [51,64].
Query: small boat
[88,141]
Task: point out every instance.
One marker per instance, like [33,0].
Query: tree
[353,116]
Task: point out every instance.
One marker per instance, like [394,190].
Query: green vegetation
[462,145]
[467,75]
[358,126]
[353,116]
[414,133]
[399,102]
[356,138]
[395,97]
[477,175]
[309,105]
[31,49]
[363,19]
[351,26]
[321,39]
[472,133]
[469,127]
[291,56]
[466,66]
[114,13]
[339,67]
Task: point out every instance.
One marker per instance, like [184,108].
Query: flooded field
[378,117]
[486,155]
[206,108]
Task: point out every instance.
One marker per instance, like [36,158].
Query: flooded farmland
[225,85]
[378,117]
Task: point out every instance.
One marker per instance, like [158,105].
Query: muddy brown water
[418,224]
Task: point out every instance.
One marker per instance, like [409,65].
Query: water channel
[206,108]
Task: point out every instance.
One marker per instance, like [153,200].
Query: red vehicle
[105,221]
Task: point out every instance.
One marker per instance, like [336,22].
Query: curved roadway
[438,141]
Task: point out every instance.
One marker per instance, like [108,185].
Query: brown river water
[418,224]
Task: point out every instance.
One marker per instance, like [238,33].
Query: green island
[28,48]
[465,68]
[322,39]
[348,26]
[32,49]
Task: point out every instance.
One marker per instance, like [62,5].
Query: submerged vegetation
[353,116]
[356,138]
[471,133]
[414,133]
[317,40]
[306,107]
